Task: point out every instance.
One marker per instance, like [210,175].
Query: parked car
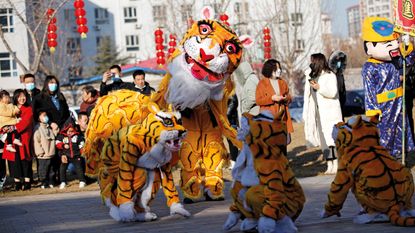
[296,109]
[355,103]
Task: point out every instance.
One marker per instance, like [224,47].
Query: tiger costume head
[163,127]
[357,131]
[207,55]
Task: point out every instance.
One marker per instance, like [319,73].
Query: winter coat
[44,141]
[146,90]
[264,93]
[43,102]
[248,80]
[25,129]
[75,142]
[8,114]
[88,106]
[329,110]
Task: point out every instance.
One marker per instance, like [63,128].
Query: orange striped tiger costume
[137,160]
[275,198]
[198,85]
[381,185]
[111,113]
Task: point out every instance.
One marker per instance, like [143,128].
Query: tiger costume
[381,185]
[111,113]
[137,161]
[199,86]
[264,187]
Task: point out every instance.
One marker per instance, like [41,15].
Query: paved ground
[83,212]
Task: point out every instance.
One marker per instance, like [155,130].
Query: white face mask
[277,73]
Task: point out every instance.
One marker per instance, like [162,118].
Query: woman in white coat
[321,109]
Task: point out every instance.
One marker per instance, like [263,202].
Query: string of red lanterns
[267,43]
[81,20]
[172,44]
[51,33]
[224,18]
[158,33]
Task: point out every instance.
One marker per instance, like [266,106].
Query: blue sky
[337,10]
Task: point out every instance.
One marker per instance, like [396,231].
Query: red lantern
[79,4]
[267,43]
[51,30]
[158,33]
[266,30]
[224,18]
[267,37]
[171,50]
[267,49]
[172,45]
[81,21]
[80,12]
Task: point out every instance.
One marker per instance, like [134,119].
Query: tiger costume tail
[397,219]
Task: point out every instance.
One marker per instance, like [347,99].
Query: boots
[27,185]
[329,167]
[17,185]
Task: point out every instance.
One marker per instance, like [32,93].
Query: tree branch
[7,45]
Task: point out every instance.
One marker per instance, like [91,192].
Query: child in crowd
[8,119]
[69,143]
[44,142]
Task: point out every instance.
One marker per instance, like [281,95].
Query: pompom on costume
[380,184]
[381,78]
[265,191]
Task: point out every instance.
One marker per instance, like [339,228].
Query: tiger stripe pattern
[379,182]
[111,113]
[279,194]
[137,160]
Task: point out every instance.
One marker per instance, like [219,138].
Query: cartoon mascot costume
[382,81]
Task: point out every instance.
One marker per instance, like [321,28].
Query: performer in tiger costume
[198,84]
[264,186]
[381,185]
[137,161]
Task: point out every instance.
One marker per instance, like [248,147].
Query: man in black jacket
[115,74]
[140,83]
[30,86]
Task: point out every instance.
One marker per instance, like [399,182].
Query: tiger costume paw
[126,212]
[177,208]
[249,224]
[324,214]
[232,220]
[145,217]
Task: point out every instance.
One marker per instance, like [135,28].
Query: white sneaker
[62,186]
[42,187]
[17,142]
[10,148]
[82,184]
[51,186]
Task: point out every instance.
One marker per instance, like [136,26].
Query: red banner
[404,16]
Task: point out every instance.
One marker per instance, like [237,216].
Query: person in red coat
[19,161]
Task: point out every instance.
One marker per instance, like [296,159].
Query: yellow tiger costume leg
[202,157]
[237,205]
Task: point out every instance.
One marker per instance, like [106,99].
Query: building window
[299,45]
[6,20]
[131,43]
[73,45]
[8,66]
[296,19]
[186,10]
[159,14]
[130,14]
[101,16]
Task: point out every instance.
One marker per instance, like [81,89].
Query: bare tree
[35,22]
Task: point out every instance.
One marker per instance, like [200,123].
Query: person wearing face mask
[30,86]
[337,63]
[44,147]
[114,74]
[272,92]
[52,101]
[321,110]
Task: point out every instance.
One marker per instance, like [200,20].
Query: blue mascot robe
[383,95]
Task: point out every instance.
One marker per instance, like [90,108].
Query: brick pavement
[83,212]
